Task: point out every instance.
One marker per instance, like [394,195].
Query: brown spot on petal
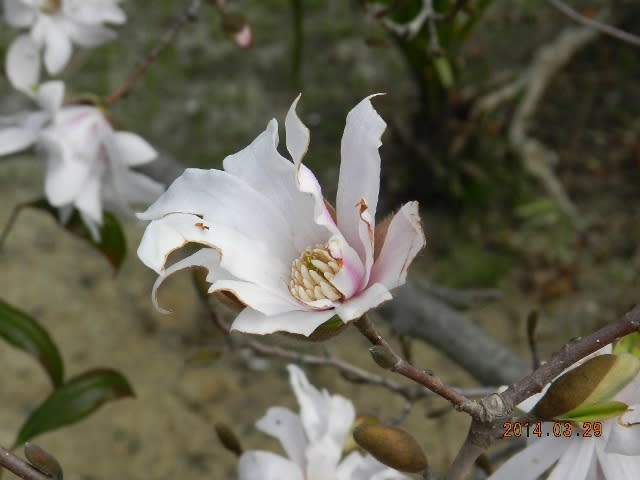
[201,226]
[380,235]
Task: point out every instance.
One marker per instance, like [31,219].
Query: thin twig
[19,467]
[595,24]
[422,377]
[482,433]
[189,15]
[570,354]
[350,372]
[532,324]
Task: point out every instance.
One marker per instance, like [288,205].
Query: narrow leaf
[599,411]
[75,400]
[25,333]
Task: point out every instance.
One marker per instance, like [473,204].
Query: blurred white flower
[313,441]
[615,455]
[53,26]
[274,242]
[87,162]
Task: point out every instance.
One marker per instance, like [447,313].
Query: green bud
[383,357]
[592,384]
[391,446]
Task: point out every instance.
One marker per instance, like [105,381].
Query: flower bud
[43,461]
[589,388]
[349,443]
[228,439]
[391,446]
[384,357]
[237,29]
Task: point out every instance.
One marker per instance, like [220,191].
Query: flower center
[51,6]
[312,274]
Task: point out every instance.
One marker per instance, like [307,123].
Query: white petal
[366,234]
[129,149]
[265,170]
[205,257]
[308,183]
[257,297]
[23,63]
[359,467]
[14,139]
[349,279]
[259,465]
[576,460]
[129,187]
[94,13]
[531,462]
[298,136]
[364,301]
[359,170]
[57,48]
[88,36]
[50,96]
[17,14]
[624,437]
[285,425]
[242,257]
[223,199]
[615,467]
[92,225]
[65,174]
[300,321]
[88,200]
[403,241]
[326,420]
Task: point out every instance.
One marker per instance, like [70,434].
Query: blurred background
[516,128]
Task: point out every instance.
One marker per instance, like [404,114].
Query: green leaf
[112,242]
[25,333]
[75,400]
[599,411]
[628,344]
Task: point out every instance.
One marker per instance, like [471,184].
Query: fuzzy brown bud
[391,446]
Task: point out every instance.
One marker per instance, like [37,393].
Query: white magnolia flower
[274,242]
[53,26]
[313,441]
[87,162]
[615,455]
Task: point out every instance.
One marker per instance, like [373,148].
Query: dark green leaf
[112,242]
[25,333]
[75,400]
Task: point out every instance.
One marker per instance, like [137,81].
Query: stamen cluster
[312,274]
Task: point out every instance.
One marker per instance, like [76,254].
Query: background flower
[313,441]
[87,162]
[273,240]
[53,26]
